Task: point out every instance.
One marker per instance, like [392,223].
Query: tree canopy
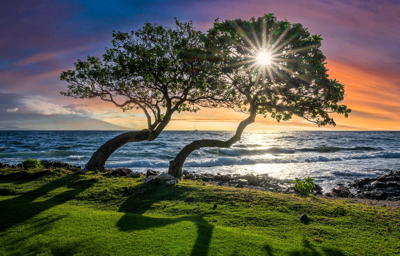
[156,69]
[293,82]
[275,69]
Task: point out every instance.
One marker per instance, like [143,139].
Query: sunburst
[268,57]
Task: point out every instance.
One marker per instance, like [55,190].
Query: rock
[223,178]
[252,180]
[384,187]
[305,219]
[163,178]
[5,165]
[341,191]
[150,172]
[54,164]
[120,172]
[317,190]
[135,174]
[261,181]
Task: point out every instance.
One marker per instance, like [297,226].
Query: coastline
[381,190]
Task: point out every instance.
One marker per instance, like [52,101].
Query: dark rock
[5,165]
[224,178]
[385,187]
[317,190]
[261,181]
[54,164]
[215,206]
[305,219]
[252,180]
[120,172]
[135,174]
[341,191]
[150,172]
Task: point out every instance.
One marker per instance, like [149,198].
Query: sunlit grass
[94,215]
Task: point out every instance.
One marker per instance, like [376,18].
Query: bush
[32,164]
[304,187]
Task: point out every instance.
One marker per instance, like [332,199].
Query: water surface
[329,157]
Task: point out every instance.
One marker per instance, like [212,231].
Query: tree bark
[175,166]
[99,158]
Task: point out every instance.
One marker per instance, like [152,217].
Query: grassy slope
[91,214]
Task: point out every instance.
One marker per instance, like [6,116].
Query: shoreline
[381,190]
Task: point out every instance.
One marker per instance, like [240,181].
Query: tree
[155,69]
[274,69]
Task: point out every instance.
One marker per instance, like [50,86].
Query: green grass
[57,213]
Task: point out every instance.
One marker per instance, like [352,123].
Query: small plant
[32,164]
[304,187]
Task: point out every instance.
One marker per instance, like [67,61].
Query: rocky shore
[385,187]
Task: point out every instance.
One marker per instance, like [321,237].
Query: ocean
[331,157]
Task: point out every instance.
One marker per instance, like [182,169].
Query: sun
[264,57]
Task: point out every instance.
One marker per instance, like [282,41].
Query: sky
[40,39]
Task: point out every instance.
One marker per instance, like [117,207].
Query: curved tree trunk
[99,158]
[175,166]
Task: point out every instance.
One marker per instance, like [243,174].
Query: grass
[60,213]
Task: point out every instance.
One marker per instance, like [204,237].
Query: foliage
[155,69]
[304,187]
[32,164]
[296,82]
[92,214]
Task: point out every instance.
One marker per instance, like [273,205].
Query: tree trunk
[99,158]
[175,166]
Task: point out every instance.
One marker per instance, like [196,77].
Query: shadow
[23,207]
[309,250]
[145,196]
[268,250]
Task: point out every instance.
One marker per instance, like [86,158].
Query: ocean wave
[327,149]
[39,154]
[138,164]
[221,161]
[75,157]
[63,147]
[239,152]
[275,150]
[247,146]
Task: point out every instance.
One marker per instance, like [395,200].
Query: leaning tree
[274,68]
[155,69]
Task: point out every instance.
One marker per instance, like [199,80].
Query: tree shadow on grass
[147,195]
[144,196]
[310,250]
[23,207]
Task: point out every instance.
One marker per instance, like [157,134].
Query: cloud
[43,106]
[12,110]
[38,112]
